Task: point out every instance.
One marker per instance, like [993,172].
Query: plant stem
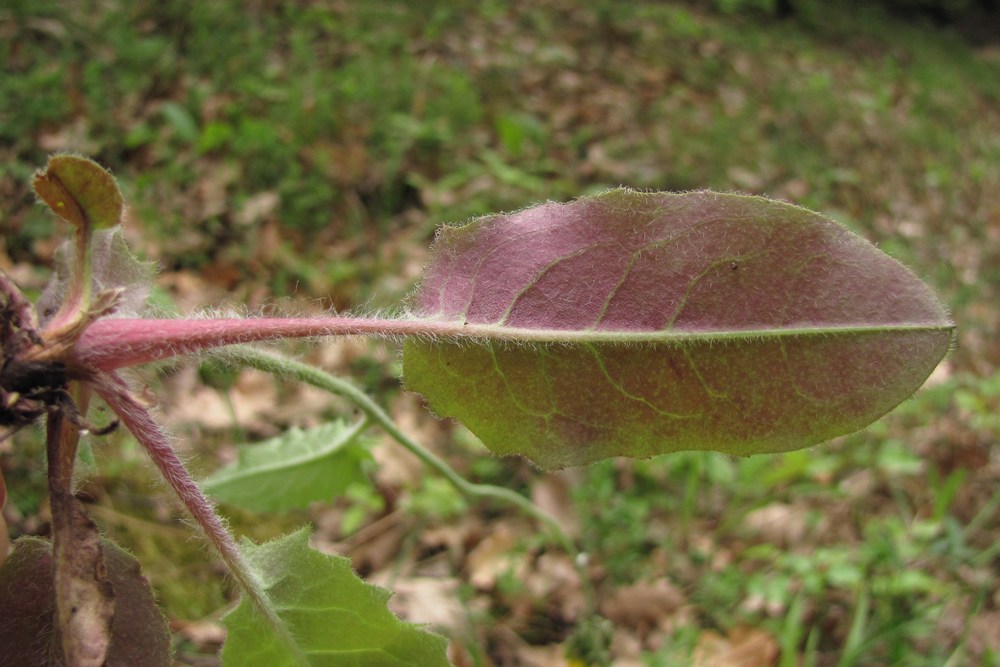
[110,344]
[84,597]
[282,366]
[137,419]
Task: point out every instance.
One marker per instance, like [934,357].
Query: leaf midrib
[494,332]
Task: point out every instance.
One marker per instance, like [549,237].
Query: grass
[312,152]
[767,551]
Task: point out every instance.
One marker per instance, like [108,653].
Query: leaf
[292,470]
[139,633]
[26,615]
[336,618]
[80,191]
[4,532]
[86,195]
[85,596]
[636,324]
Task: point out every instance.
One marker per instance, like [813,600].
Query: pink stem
[109,344]
[137,419]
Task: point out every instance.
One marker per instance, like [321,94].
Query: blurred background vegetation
[300,155]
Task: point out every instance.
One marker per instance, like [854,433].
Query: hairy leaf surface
[335,617]
[636,324]
[292,470]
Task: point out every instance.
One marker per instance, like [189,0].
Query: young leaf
[80,191]
[86,195]
[335,617]
[292,470]
[649,323]
[139,633]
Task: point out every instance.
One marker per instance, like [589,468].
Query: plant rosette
[623,324]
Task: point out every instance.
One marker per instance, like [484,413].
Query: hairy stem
[110,344]
[282,366]
[137,419]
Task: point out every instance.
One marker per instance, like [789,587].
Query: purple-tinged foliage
[624,324]
[28,633]
[664,322]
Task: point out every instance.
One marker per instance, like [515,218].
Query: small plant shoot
[624,324]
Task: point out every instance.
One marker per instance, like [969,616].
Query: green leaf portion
[637,324]
[86,195]
[571,405]
[292,470]
[81,192]
[335,617]
[139,633]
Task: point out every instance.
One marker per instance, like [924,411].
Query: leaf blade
[336,617]
[671,311]
[292,470]
[139,632]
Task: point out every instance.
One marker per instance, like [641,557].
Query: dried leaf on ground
[247,403]
[495,556]
[553,493]
[781,524]
[644,606]
[428,601]
[985,634]
[555,580]
[742,647]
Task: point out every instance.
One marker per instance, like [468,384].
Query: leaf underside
[667,322]
[335,617]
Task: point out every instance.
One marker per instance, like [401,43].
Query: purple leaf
[139,633]
[634,324]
